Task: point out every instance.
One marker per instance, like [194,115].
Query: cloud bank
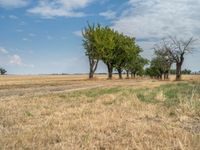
[152,19]
[13,3]
[60,8]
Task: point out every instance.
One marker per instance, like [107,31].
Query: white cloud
[17,61]
[151,20]
[32,34]
[13,17]
[25,39]
[78,33]
[22,23]
[13,3]
[108,14]
[60,8]
[3,50]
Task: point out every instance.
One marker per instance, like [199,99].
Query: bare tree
[177,49]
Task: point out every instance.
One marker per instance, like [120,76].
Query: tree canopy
[121,53]
[115,49]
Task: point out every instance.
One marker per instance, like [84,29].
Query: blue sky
[44,36]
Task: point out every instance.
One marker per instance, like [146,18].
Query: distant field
[71,112]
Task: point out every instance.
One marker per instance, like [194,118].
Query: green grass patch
[147,96]
[170,95]
[173,94]
[27,113]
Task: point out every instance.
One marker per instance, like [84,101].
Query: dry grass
[109,117]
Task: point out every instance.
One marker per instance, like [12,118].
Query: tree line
[118,51]
[170,51]
[121,53]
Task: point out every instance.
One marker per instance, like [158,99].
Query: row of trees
[185,71]
[118,51]
[121,53]
[170,51]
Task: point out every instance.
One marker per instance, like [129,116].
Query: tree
[177,49]
[2,71]
[125,52]
[89,44]
[161,63]
[164,59]
[136,66]
[114,49]
[105,43]
[153,72]
[132,56]
[173,71]
[157,67]
[120,54]
[186,71]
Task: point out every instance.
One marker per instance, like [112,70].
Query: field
[71,112]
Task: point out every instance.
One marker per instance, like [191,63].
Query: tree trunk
[110,71]
[179,67]
[127,74]
[120,73]
[166,75]
[178,71]
[93,67]
[91,75]
[133,75]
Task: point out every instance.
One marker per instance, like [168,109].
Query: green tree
[186,71]
[89,44]
[157,66]
[120,53]
[2,71]
[105,43]
[132,55]
[136,66]
[164,59]
[114,49]
[153,72]
[125,51]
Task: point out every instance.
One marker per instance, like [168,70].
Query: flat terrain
[39,85]
[71,112]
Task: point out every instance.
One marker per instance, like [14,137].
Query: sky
[44,36]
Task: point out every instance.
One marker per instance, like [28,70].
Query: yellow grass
[70,112]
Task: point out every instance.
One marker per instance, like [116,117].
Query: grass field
[70,112]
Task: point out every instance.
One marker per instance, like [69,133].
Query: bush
[2,71]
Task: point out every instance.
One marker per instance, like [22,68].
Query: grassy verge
[184,97]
